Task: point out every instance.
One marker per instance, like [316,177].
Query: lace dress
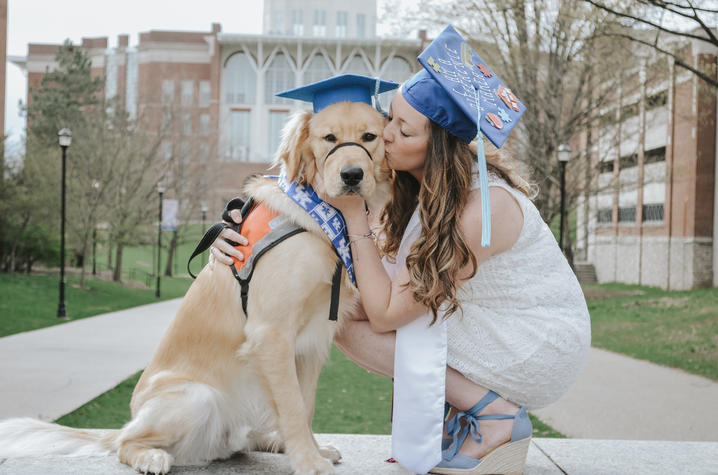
[525,328]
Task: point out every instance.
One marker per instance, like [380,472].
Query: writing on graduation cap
[467,76]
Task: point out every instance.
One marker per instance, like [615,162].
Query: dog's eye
[367,137]
[330,138]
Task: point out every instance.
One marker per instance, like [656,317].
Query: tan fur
[221,382]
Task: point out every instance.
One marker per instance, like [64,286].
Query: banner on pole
[169,215]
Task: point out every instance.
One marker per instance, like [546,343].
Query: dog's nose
[351,176]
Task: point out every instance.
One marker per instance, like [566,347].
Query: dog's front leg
[274,355]
[308,369]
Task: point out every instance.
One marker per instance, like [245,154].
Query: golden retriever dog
[222,381]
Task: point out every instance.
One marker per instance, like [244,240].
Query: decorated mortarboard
[453,82]
[346,87]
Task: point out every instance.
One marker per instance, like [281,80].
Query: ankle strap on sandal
[472,418]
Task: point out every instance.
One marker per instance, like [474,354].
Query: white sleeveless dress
[525,329]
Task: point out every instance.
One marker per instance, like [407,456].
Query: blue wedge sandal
[506,459]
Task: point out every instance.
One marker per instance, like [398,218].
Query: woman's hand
[352,206]
[221,248]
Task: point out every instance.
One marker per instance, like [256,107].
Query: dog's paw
[314,466]
[330,452]
[153,461]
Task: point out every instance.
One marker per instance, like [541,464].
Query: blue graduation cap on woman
[457,90]
[345,87]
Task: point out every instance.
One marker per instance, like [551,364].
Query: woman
[517,327]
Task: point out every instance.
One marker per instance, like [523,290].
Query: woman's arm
[390,304]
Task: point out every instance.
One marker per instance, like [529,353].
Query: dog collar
[328,217]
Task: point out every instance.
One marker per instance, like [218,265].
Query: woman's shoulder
[506,220]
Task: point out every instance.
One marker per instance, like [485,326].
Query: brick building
[652,218]
[211,94]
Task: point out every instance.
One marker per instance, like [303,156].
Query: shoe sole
[507,459]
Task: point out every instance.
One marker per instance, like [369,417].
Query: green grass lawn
[671,328]
[29,302]
[349,400]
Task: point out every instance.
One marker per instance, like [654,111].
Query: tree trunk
[109,253]
[171,253]
[117,274]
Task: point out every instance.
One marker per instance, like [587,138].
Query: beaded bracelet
[359,237]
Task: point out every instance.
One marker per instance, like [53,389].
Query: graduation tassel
[483,180]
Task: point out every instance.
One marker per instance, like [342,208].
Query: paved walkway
[50,372]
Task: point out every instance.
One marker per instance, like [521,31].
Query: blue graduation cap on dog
[345,87]
[457,90]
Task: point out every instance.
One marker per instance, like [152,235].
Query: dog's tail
[27,437]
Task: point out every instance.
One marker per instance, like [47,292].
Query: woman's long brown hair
[441,250]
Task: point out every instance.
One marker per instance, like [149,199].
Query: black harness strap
[244,283]
[346,144]
[336,287]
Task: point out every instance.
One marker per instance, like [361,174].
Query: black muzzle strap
[346,144]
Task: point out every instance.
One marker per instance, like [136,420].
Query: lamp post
[564,153]
[96,187]
[65,139]
[204,216]
[161,191]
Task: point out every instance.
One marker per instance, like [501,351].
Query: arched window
[357,66]
[279,77]
[317,69]
[240,79]
[398,70]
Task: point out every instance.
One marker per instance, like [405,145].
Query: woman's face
[406,137]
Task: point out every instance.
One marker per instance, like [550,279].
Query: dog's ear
[294,152]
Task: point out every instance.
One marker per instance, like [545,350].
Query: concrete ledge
[366,454]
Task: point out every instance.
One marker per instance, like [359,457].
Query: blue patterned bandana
[328,217]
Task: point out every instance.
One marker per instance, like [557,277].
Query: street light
[96,187]
[65,139]
[161,191]
[204,217]
[564,153]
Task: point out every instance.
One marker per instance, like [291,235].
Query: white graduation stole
[419,379]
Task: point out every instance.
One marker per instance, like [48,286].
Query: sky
[51,21]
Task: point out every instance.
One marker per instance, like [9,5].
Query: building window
[605,166]
[186,124]
[184,152]
[297,22]
[241,80]
[278,25]
[110,74]
[167,150]
[168,91]
[627,214]
[203,152]
[205,93]
[187,93]
[657,100]
[239,135]
[341,28]
[317,69]
[655,155]
[166,122]
[653,213]
[628,161]
[279,77]
[628,111]
[204,124]
[320,23]
[604,216]
[361,25]
[277,120]
[131,84]
[397,70]
[357,66]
